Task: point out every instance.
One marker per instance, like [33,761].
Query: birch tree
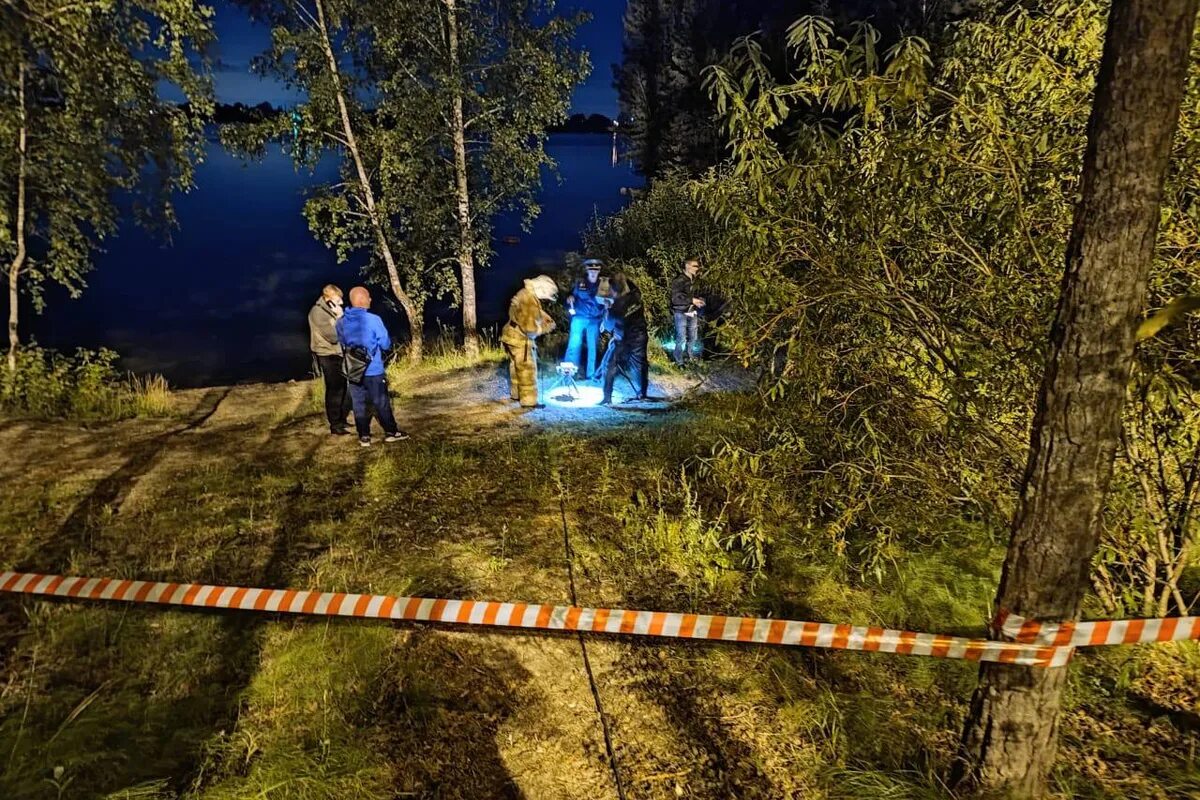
[84,122]
[476,83]
[312,49]
[439,109]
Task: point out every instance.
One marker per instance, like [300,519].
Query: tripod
[566,379]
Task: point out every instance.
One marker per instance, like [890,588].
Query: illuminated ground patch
[581,396]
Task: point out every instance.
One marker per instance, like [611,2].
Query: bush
[87,386]
[650,239]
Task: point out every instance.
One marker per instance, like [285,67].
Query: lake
[226,300]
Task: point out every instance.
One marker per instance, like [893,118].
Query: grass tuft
[151,396]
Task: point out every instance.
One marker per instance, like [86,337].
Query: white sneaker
[364,441]
[398,436]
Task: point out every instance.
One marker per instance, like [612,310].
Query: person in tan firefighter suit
[526,322]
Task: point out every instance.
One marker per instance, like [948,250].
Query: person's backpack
[355,360]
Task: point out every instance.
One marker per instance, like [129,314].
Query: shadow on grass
[104,698]
[445,700]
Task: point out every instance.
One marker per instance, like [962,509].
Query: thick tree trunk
[18,262]
[466,241]
[1009,740]
[368,194]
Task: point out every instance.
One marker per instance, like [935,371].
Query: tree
[891,229]
[668,45]
[85,124]
[362,209]
[441,110]
[1010,737]
[498,74]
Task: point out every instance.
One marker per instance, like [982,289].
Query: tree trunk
[14,269]
[466,241]
[416,333]
[1009,741]
[385,250]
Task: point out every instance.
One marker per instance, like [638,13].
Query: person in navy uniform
[586,305]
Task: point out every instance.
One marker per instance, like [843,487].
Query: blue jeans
[687,331]
[373,390]
[580,327]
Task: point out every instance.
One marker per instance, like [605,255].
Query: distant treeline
[240,112]
[584,123]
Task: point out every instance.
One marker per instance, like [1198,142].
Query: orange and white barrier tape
[1099,632]
[543,617]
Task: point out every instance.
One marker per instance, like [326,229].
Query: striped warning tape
[546,617]
[1099,632]
[536,616]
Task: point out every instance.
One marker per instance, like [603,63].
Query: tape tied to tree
[1034,646]
[1098,633]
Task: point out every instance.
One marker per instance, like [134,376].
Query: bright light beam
[584,396]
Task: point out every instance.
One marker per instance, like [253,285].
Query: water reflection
[226,300]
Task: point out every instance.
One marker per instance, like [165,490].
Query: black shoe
[339,432]
[606,402]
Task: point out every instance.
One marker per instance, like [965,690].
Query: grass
[108,701]
[151,396]
[85,386]
[442,353]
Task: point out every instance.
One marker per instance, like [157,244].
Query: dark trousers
[628,354]
[372,390]
[337,396]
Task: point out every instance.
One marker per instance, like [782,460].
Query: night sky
[239,40]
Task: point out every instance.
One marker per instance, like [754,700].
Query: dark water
[226,300]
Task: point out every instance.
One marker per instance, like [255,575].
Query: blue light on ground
[583,396]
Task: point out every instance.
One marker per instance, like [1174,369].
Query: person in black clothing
[327,354]
[685,308]
[627,321]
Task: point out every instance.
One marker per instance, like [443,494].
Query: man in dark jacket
[586,306]
[327,353]
[627,321]
[685,307]
[358,327]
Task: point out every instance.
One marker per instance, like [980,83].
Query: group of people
[596,305]
[334,333]
[348,343]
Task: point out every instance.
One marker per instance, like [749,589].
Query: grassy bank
[86,386]
[106,701]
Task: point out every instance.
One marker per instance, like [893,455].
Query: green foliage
[86,386]
[672,535]
[650,239]
[891,233]
[518,67]
[99,124]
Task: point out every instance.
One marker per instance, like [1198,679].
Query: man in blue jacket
[358,327]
